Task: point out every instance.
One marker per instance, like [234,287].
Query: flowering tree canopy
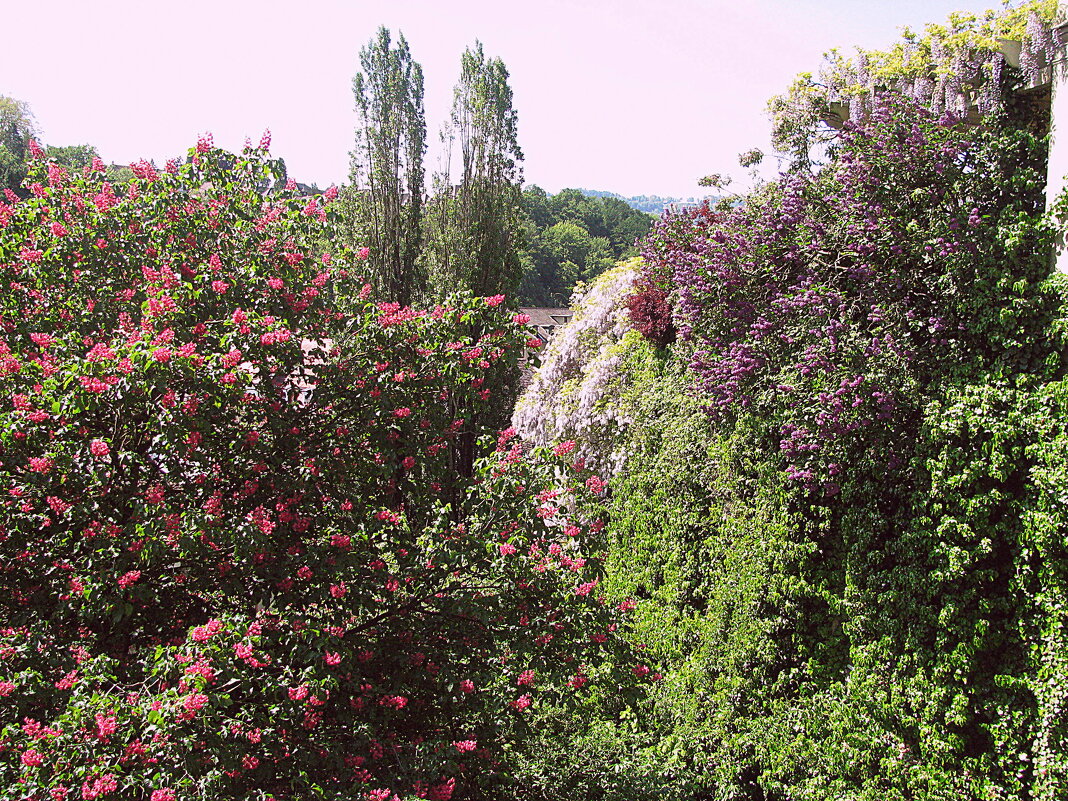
[248,547]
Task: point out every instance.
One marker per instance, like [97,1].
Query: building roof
[547,316]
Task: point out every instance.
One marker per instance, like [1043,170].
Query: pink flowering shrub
[250,543]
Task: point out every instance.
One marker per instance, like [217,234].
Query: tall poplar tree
[17,128]
[387,175]
[478,225]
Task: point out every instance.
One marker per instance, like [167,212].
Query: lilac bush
[827,301]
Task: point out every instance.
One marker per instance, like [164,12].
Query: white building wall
[1057,172]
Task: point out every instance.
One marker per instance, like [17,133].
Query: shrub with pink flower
[239,560]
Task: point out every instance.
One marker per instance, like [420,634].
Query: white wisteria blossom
[577,393]
[956,67]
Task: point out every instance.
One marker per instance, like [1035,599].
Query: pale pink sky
[632,97]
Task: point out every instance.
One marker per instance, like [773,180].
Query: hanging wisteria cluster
[957,68]
[575,394]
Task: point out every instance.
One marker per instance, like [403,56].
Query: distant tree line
[652,204]
[571,237]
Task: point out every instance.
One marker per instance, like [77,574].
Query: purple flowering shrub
[828,302]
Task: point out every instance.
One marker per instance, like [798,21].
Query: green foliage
[566,756]
[475,226]
[898,634]
[572,238]
[73,157]
[702,548]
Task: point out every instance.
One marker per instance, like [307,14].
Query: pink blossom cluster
[247,512]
